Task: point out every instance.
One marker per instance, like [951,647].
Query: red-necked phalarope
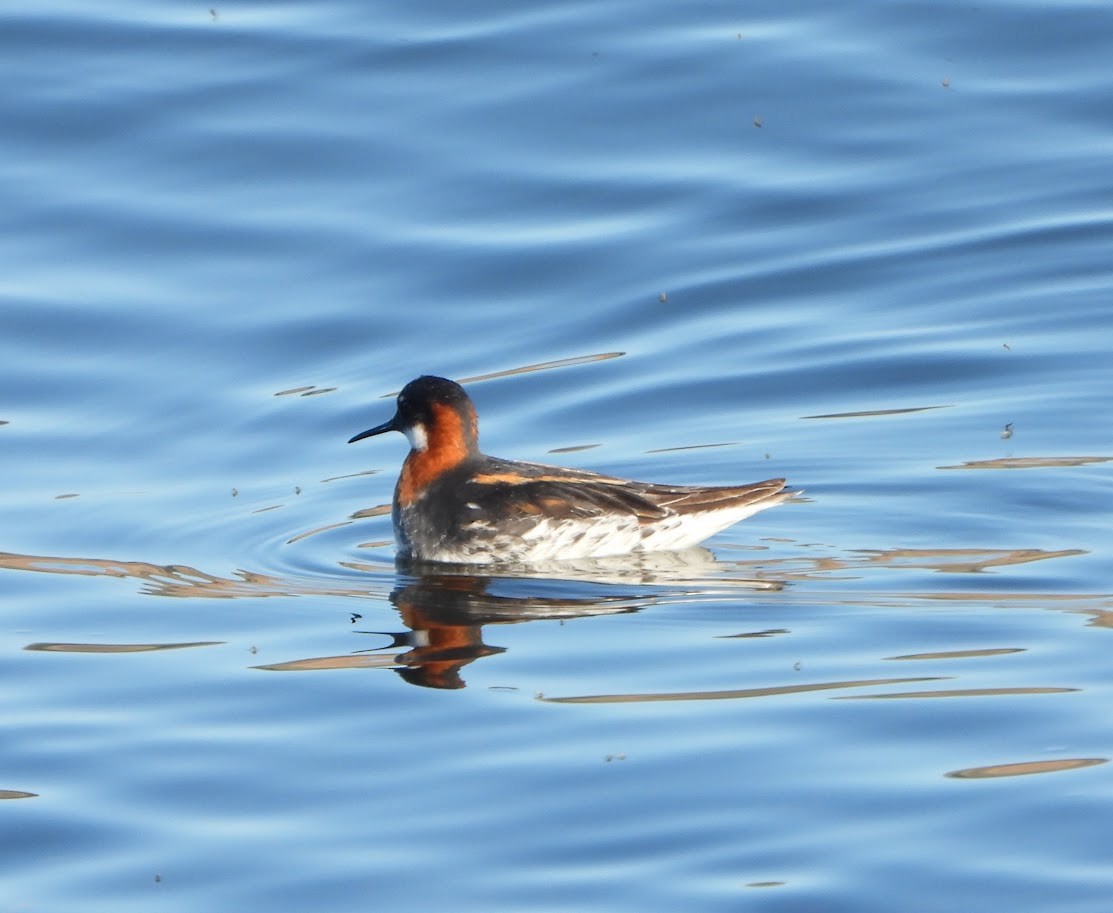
[457,505]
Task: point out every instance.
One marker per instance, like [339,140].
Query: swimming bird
[455,504]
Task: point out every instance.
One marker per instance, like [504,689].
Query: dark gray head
[433,412]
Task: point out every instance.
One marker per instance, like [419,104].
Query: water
[697,243]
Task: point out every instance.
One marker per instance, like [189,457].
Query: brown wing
[530,489]
[685,500]
[558,498]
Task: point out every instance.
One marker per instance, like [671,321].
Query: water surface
[864,248]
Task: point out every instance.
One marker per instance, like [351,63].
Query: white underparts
[417,437]
[596,537]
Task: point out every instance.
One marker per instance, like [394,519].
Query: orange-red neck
[451,437]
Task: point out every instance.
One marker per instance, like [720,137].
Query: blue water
[866,248]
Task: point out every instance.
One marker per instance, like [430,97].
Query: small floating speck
[1007,346]
[621,756]
[663,297]
[766,884]
[297,489]
[946,82]
[63,497]
[235,492]
[1008,431]
[758,122]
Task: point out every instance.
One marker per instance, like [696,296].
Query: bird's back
[504,511]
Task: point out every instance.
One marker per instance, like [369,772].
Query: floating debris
[872,412]
[542,366]
[51,647]
[1031,462]
[692,447]
[771,632]
[1022,768]
[319,529]
[1008,431]
[350,475]
[960,654]
[573,449]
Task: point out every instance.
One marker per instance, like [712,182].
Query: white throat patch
[417,437]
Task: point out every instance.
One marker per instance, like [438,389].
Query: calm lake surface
[867,248]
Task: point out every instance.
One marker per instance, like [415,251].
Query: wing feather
[509,489]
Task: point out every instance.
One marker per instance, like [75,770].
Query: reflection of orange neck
[437,664]
[450,439]
[447,648]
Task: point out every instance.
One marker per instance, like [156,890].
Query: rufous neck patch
[450,439]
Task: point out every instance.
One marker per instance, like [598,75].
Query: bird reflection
[445,608]
[444,615]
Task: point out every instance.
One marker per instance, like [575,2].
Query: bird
[454,504]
